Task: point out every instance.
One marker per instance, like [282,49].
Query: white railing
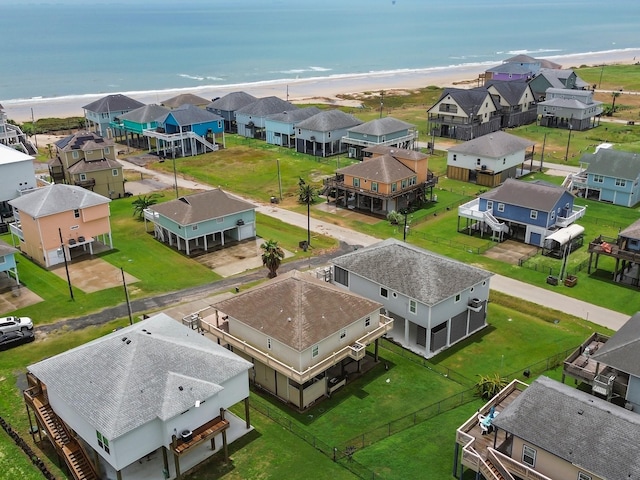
[471,210]
[576,213]
[410,137]
[494,223]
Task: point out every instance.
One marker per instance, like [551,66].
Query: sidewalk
[540,296]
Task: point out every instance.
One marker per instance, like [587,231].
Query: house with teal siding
[387,131]
[99,114]
[227,106]
[611,176]
[280,127]
[134,123]
[251,119]
[321,135]
[528,212]
[203,221]
[8,264]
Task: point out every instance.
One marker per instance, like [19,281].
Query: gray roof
[512,68]
[189,115]
[382,169]
[632,231]
[297,309]
[83,140]
[6,249]
[536,195]
[266,106]
[544,63]
[521,58]
[568,103]
[294,116]
[145,114]
[493,145]
[425,276]
[232,101]
[510,91]
[556,77]
[329,120]
[382,126]
[56,198]
[200,207]
[87,166]
[184,99]
[613,163]
[622,350]
[469,100]
[113,103]
[154,369]
[592,434]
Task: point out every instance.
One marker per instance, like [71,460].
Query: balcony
[577,212]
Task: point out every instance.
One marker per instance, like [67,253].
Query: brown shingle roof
[86,166]
[396,152]
[297,309]
[202,206]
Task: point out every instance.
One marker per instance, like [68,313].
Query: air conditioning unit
[240,222]
[475,303]
[483,167]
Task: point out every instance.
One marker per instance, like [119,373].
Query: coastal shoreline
[310,90]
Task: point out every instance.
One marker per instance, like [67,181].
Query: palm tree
[614,95]
[143,202]
[306,194]
[272,257]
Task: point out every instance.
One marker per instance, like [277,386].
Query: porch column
[119,475]
[246,413]
[406,331]
[301,396]
[224,439]
[176,459]
[375,351]
[165,460]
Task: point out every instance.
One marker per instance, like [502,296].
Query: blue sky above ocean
[72,47]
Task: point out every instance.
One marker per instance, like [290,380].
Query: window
[504,161]
[455,157]
[3,259]
[374,186]
[413,180]
[489,204]
[341,276]
[194,227]
[533,215]
[458,297]
[529,456]
[367,322]
[102,441]
[598,179]
[413,307]
[314,351]
[83,177]
[478,161]
[553,214]
[114,172]
[501,207]
[356,182]
[106,150]
[219,219]
[621,182]
[75,154]
[269,343]
[343,334]
[583,476]
[394,187]
[384,292]
[404,183]
[76,213]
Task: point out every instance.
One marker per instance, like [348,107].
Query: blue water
[73,47]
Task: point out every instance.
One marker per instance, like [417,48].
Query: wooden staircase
[65,444]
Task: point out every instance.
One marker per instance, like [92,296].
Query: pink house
[55,222]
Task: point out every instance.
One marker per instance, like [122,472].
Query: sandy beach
[317,90]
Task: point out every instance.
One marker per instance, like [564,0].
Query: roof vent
[148,333]
[128,342]
[124,339]
[580,412]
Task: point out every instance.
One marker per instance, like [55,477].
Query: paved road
[541,296]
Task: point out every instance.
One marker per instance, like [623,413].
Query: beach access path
[541,296]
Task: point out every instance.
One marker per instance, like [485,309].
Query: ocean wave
[297,71]
[531,52]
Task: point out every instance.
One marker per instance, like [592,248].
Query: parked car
[13,339]
[15,324]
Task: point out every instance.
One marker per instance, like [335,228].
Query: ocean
[70,47]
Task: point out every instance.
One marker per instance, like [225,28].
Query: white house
[434,301]
[153,386]
[488,160]
[17,175]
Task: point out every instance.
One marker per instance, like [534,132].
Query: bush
[489,385]
[394,217]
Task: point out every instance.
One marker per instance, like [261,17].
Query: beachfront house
[609,366]
[17,176]
[186,130]
[305,337]
[321,135]
[435,301]
[184,99]
[548,431]
[88,160]
[99,114]
[280,127]
[555,78]
[60,222]
[387,131]
[528,212]
[251,119]
[611,176]
[569,108]
[203,221]
[12,136]
[227,106]
[516,100]
[509,71]
[145,401]
[464,114]
[134,123]
[625,249]
[387,179]
[489,160]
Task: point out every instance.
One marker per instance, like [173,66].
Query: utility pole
[381,101]
[33,124]
[279,178]
[175,173]
[601,72]
[566,155]
[544,142]
[66,266]
[126,295]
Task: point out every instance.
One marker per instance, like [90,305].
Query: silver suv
[15,324]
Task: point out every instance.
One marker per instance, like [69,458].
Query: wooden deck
[202,434]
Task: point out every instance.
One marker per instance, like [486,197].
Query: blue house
[203,221]
[611,176]
[280,127]
[525,211]
[8,264]
[187,130]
